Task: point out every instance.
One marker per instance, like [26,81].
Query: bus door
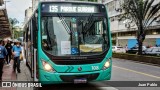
[34,48]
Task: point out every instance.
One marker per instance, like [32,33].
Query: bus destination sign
[68,8]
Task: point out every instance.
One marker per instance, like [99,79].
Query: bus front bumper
[53,78]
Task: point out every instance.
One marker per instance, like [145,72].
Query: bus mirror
[36,20]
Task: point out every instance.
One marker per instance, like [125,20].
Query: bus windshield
[74,35]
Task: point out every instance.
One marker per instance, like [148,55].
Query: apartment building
[35,2]
[121,34]
[28,13]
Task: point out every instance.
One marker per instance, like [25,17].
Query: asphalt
[126,70]
[122,70]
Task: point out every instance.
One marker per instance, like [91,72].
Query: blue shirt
[3,51]
[16,50]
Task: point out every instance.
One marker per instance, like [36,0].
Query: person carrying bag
[3,53]
[21,57]
[16,51]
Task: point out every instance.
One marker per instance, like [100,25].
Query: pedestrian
[9,48]
[3,53]
[126,47]
[3,44]
[16,51]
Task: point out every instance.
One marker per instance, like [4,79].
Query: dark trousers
[1,67]
[16,64]
[8,57]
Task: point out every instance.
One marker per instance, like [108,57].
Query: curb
[139,58]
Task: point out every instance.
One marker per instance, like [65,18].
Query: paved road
[123,70]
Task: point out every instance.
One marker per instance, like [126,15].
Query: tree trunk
[140,47]
[140,38]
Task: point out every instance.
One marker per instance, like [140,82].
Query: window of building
[132,33]
[153,32]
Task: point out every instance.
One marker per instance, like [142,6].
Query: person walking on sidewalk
[9,48]
[16,51]
[3,53]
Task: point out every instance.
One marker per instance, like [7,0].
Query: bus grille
[70,78]
[76,62]
[59,60]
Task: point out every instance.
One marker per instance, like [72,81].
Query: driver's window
[99,28]
[44,36]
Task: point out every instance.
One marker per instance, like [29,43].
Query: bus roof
[82,2]
[71,2]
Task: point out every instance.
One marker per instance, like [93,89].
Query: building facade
[28,13]
[35,2]
[121,34]
[5,29]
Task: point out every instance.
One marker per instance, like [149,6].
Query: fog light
[47,66]
[107,64]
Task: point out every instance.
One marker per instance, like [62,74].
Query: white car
[118,49]
[153,51]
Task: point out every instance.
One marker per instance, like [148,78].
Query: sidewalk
[9,75]
[25,75]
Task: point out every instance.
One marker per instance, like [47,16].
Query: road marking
[107,88]
[137,72]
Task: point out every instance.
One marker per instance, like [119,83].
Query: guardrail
[140,58]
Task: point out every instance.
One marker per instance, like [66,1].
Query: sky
[16,9]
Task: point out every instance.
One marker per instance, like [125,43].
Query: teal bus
[68,42]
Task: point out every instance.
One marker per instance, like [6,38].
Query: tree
[13,22]
[18,32]
[143,13]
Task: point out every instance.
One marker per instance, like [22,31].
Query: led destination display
[69,8]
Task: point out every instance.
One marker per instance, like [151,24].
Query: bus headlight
[107,64]
[47,67]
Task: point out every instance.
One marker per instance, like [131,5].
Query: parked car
[153,51]
[134,50]
[118,49]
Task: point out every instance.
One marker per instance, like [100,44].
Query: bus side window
[35,31]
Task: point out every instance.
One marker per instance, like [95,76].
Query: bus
[68,42]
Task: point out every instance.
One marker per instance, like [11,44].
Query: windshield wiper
[89,24]
[64,24]
[48,37]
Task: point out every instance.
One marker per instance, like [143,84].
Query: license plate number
[83,80]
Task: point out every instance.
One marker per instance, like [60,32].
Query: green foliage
[18,34]
[143,13]
[13,22]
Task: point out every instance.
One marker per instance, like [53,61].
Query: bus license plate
[83,80]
